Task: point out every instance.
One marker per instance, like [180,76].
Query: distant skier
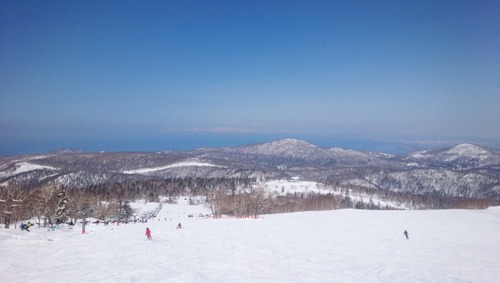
[25,227]
[406,234]
[179,226]
[148,234]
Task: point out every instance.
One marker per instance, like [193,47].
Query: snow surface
[26,167]
[328,246]
[283,187]
[23,167]
[174,165]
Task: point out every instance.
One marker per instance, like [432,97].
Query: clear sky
[153,75]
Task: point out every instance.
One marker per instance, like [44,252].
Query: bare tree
[43,203]
[13,199]
[217,200]
[258,200]
[81,204]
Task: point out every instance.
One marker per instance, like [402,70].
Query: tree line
[51,202]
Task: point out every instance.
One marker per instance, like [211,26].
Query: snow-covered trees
[50,202]
[62,209]
[124,211]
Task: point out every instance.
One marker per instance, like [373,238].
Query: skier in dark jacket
[25,227]
[406,234]
[148,234]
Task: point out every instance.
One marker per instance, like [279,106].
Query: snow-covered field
[23,167]
[327,246]
[283,187]
[193,163]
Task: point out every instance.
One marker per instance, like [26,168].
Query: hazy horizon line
[226,137]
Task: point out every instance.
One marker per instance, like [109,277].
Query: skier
[148,234]
[406,234]
[179,226]
[25,227]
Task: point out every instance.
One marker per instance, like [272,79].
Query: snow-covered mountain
[463,170]
[282,148]
[462,156]
[287,153]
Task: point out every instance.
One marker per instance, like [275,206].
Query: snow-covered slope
[330,246]
[283,187]
[187,163]
[23,167]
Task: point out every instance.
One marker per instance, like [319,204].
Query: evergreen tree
[61,211]
[124,211]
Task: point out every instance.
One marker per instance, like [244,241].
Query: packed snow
[327,246]
[174,165]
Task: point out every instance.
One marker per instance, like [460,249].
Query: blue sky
[153,75]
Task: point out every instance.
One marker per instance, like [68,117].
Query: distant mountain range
[465,170]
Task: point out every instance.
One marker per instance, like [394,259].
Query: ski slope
[327,246]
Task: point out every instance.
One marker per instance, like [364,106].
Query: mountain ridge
[462,170]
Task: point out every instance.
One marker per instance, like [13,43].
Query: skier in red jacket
[148,234]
